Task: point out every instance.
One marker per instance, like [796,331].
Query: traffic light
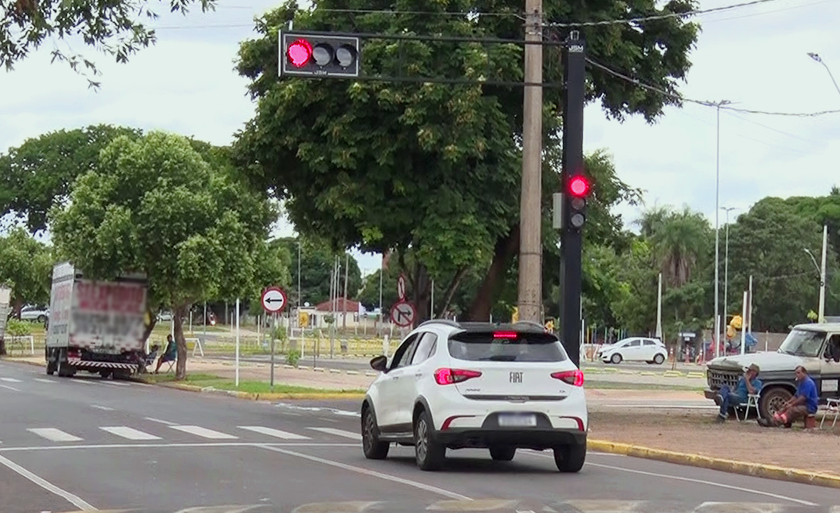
[311,54]
[577,189]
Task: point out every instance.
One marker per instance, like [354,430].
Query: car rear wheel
[658,359]
[371,446]
[570,458]
[427,452]
[502,452]
[616,358]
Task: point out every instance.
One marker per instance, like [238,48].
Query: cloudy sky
[755,57]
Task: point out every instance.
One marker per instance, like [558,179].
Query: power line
[665,16]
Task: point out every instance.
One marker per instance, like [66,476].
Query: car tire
[615,358]
[428,453]
[659,359]
[771,399]
[570,458]
[371,446]
[41,319]
[502,452]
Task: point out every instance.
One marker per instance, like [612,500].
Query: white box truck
[95,326]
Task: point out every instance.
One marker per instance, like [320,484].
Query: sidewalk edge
[262,397]
[724,465]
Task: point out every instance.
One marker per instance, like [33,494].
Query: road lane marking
[338,432]
[118,384]
[42,380]
[275,433]
[129,433]
[166,422]
[103,408]
[7,387]
[204,432]
[10,380]
[259,445]
[46,485]
[370,473]
[54,435]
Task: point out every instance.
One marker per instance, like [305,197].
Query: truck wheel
[122,374]
[771,401]
[51,364]
[104,374]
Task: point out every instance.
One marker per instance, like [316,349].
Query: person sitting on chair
[799,406]
[748,384]
[169,355]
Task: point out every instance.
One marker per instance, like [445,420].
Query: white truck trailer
[95,326]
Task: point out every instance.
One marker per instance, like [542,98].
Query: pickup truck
[814,346]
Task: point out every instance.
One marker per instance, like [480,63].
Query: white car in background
[477,385]
[34,313]
[634,349]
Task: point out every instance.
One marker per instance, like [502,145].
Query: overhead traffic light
[577,189]
[311,54]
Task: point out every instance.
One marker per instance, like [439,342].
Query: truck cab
[814,346]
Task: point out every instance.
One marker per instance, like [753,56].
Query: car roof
[484,327]
[817,326]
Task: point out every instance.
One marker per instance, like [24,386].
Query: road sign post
[401,287]
[403,314]
[273,301]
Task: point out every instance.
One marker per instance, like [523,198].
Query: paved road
[70,444]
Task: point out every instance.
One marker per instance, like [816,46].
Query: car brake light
[450,376]
[572,377]
[505,334]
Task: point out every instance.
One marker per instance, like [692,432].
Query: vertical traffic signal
[577,189]
[311,54]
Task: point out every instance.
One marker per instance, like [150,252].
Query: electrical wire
[656,17]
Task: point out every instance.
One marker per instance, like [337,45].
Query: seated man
[748,384]
[799,406]
[169,355]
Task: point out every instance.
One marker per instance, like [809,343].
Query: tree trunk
[453,287]
[180,341]
[148,332]
[505,249]
[421,294]
[2,346]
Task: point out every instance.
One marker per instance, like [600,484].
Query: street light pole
[726,264]
[817,58]
[717,231]
[821,269]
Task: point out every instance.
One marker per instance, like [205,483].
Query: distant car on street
[634,349]
[34,313]
[477,385]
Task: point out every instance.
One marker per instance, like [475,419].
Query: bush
[18,328]
[292,357]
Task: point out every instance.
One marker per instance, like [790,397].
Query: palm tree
[678,239]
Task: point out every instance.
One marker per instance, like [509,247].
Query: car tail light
[505,334]
[572,377]
[450,376]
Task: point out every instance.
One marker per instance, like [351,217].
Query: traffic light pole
[574,69]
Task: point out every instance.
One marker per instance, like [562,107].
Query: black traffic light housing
[315,54]
[577,191]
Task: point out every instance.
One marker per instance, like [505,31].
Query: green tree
[432,167]
[316,266]
[273,261]
[153,205]
[114,27]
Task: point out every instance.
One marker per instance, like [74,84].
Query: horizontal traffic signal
[310,54]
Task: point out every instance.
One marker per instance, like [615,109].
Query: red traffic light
[299,53]
[578,186]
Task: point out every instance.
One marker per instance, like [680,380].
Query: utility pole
[717,231]
[726,264]
[346,275]
[574,69]
[821,313]
[530,217]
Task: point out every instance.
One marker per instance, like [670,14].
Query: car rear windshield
[506,347]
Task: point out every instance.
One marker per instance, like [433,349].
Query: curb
[724,465]
[34,364]
[261,397]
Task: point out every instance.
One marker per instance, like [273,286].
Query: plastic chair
[752,401]
[832,405]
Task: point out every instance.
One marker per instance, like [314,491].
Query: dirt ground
[696,432]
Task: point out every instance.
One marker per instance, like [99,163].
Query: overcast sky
[754,56]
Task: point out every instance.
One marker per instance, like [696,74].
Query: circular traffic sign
[403,314]
[273,299]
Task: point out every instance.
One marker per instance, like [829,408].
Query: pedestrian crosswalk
[165,431]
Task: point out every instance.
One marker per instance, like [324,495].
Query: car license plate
[517,420]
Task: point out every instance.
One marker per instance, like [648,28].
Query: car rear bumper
[524,438]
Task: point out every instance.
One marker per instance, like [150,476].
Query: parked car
[634,349]
[477,385]
[34,313]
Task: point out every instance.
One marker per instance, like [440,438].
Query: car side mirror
[379,363]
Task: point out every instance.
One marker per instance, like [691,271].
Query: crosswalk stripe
[116,383]
[54,435]
[41,380]
[275,433]
[10,380]
[338,432]
[130,433]
[204,433]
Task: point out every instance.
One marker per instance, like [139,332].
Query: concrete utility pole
[717,232]
[530,217]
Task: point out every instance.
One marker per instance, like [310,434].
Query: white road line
[338,432]
[36,448]
[275,433]
[166,422]
[104,408]
[10,380]
[371,473]
[204,432]
[7,387]
[118,383]
[83,381]
[129,433]
[46,485]
[42,380]
[54,435]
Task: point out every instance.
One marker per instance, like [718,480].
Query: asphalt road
[87,444]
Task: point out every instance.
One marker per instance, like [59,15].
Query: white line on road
[175,446]
[46,485]
[7,387]
[42,380]
[54,435]
[10,380]
[371,473]
[338,432]
[118,383]
[104,408]
[129,433]
[275,432]
[204,432]
[84,381]
[166,422]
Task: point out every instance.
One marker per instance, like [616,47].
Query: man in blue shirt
[748,384]
[799,406]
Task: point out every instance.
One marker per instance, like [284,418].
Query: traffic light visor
[578,186]
[299,53]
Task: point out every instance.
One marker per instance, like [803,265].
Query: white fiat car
[477,385]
